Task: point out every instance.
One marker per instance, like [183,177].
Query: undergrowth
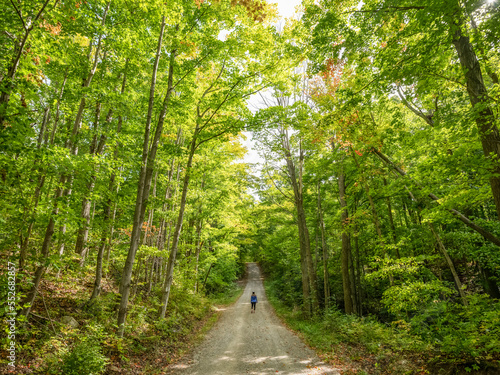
[46,346]
[451,339]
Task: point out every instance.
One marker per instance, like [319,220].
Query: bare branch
[11,36]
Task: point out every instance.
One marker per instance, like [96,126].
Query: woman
[253,301]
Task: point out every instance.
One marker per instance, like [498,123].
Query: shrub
[369,332]
[86,358]
[463,333]
[412,296]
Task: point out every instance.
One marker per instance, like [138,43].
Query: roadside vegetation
[364,345]
[86,342]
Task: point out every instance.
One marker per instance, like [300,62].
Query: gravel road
[256,344]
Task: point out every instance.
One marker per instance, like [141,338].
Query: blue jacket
[253,298]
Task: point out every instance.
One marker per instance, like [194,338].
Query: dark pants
[253,305]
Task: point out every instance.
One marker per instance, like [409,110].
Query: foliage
[463,334]
[85,358]
[412,296]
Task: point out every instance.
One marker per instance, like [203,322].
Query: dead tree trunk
[453,270]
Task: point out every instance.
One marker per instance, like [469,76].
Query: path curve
[255,344]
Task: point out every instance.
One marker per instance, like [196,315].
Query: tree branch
[11,36]
[38,15]
[427,118]
[190,71]
[388,9]
[208,90]
[277,188]
[20,15]
[213,136]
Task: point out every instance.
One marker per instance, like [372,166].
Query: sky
[286,9]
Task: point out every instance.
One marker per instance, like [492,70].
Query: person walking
[253,301]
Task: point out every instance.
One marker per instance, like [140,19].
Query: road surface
[255,344]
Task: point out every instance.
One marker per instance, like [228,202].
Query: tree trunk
[111,233]
[391,221]
[86,84]
[206,276]
[149,223]
[59,99]
[491,286]
[326,280]
[346,247]
[71,144]
[352,281]
[309,290]
[177,232]
[359,270]
[6,84]
[73,139]
[199,246]
[375,219]
[100,254]
[160,241]
[458,283]
[113,176]
[43,127]
[41,182]
[142,189]
[83,231]
[107,226]
[478,95]
[66,194]
[151,274]
[45,253]
[25,243]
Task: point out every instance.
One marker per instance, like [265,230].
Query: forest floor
[246,343]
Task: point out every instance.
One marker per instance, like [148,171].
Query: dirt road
[256,344]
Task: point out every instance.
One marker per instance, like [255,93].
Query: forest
[129,206]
